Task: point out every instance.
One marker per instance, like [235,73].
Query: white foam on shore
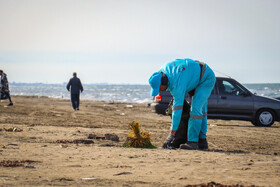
[117,93]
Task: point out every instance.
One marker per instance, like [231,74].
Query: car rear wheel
[265,118]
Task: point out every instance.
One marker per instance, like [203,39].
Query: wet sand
[239,153]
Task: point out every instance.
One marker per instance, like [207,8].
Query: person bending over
[180,77]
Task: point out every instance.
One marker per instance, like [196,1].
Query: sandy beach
[33,152]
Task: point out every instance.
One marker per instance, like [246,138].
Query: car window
[213,91]
[230,88]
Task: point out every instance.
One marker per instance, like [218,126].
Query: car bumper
[278,115]
[160,108]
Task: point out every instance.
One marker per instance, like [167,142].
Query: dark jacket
[4,81]
[76,85]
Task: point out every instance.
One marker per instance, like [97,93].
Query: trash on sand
[62,179]
[17,163]
[129,106]
[75,141]
[63,146]
[108,136]
[214,184]
[91,136]
[122,114]
[88,178]
[123,173]
[112,137]
[137,137]
[100,137]
[213,125]
[11,129]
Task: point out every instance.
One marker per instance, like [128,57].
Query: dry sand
[239,152]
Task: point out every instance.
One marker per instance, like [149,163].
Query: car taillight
[158,98]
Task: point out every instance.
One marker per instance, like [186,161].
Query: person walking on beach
[5,86]
[183,76]
[76,87]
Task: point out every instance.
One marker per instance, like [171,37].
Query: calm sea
[120,93]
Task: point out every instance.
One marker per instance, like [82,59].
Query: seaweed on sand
[137,137]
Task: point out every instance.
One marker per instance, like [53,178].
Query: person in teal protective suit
[183,76]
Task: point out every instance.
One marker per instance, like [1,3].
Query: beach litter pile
[137,137]
[112,137]
[17,163]
[214,184]
[79,141]
[11,129]
[108,136]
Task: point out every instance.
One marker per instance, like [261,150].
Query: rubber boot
[189,146]
[202,144]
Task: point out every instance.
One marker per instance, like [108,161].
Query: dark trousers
[7,93]
[75,98]
[9,98]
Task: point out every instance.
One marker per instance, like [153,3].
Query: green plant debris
[138,138]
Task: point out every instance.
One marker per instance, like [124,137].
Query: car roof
[223,78]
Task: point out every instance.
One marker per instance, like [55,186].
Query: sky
[125,41]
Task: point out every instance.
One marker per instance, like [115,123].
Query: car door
[212,101]
[234,101]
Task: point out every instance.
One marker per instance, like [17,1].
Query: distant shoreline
[68,99]
[114,92]
[105,84]
[65,83]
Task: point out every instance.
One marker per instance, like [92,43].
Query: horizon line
[106,83]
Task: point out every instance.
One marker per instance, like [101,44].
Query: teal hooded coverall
[183,76]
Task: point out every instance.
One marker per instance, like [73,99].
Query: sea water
[118,93]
